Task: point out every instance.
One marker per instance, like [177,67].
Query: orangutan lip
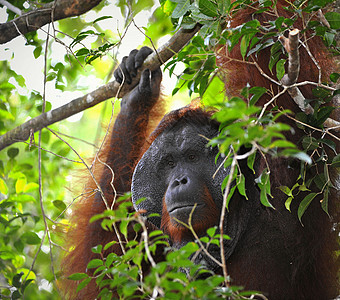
[185,207]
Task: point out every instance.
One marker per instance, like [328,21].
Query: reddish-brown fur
[312,245]
[310,249]
[208,217]
[82,235]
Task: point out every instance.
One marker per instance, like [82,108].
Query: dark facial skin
[187,166]
[176,175]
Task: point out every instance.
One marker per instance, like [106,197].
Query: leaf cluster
[175,277]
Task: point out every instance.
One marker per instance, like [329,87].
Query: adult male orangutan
[174,170]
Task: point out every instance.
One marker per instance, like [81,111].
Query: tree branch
[112,89]
[35,19]
[291,45]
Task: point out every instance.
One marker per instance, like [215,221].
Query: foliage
[175,278]
[30,236]
[22,242]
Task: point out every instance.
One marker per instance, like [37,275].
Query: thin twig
[97,185]
[11,7]
[191,228]
[46,230]
[222,217]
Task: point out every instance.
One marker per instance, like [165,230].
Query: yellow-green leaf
[20,185]
[29,187]
[3,187]
[288,202]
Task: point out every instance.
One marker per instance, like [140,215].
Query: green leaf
[26,283]
[83,284]
[286,190]
[280,68]
[25,198]
[324,201]
[31,238]
[333,19]
[187,23]
[37,51]
[336,161]
[214,94]
[211,231]
[241,186]
[4,114]
[102,18]
[208,8]
[264,199]
[244,45]
[304,204]
[309,143]
[50,76]
[278,22]
[97,249]
[12,152]
[3,187]
[109,259]
[223,6]
[168,7]
[155,233]
[29,187]
[230,195]
[282,144]
[288,202]
[78,276]
[251,161]
[82,52]
[123,227]
[7,86]
[59,204]
[263,182]
[275,51]
[257,93]
[110,244]
[329,38]
[94,263]
[181,9]
[334,77]
[16,280]
[323,114]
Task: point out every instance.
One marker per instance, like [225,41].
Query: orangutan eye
[192,157]
[169,160]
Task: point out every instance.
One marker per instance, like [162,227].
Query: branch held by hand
[112,89]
